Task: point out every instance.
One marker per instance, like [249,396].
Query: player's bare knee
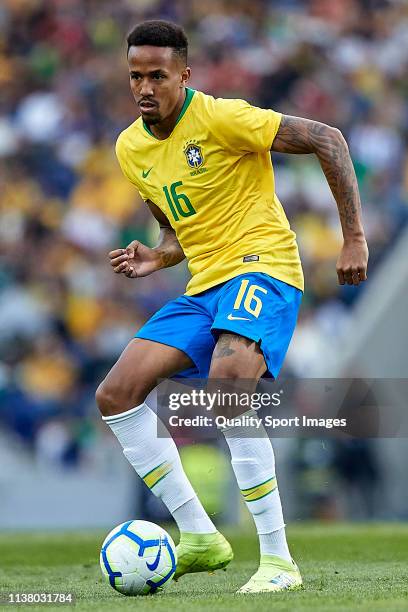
[106,400]
[225,369]
[113,398]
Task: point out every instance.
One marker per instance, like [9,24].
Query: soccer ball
[138,558]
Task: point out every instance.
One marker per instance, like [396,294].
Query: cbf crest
[194,157]
[194,154]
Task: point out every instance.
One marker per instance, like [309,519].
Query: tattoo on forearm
[297,135]
[169,248]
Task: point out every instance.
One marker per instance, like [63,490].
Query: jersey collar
[189,96]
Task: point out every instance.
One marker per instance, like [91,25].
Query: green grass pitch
[345,567]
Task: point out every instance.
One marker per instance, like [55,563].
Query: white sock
[157,461]
[192,518]
[275,544]
[253,462]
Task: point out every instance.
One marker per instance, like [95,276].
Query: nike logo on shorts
[232,318]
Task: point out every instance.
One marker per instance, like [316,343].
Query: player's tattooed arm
[138,260]
[298,135]
[168,247]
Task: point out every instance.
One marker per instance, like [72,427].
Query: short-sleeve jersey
[213,179]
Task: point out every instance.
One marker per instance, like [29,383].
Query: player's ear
[185,75]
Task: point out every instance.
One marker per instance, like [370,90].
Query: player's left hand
[352,262]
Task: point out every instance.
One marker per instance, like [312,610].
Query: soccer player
[203,167]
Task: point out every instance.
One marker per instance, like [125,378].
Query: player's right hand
[135,261]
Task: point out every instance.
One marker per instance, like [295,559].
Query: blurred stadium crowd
[64,98]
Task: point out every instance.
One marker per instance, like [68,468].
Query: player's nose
[146,89]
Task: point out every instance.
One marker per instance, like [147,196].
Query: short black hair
[159,33]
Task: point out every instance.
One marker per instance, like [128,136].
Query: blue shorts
[256,306]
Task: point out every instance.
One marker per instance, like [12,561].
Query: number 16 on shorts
[247,295]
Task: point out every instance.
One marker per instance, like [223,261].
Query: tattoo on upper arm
[298,135]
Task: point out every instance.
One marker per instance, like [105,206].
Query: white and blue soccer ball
[138,558]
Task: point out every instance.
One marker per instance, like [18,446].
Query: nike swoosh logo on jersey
[145,173]
[232,318]
[153,566]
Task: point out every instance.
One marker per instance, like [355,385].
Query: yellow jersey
[213,179]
